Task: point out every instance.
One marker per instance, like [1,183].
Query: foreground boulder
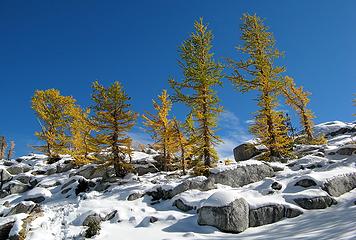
[247,151]
[320,202]
[5,229]
[243,175]
[233,218]
[271,214]
[340,184]
[23,208]
[16,187]
[181,205]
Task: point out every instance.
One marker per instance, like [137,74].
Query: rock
[38,199]
[22,208]
[305,182]
[93,171]
[110,216]
[233,218]
[38,172]
[153,219]
[243,175]
[276,186]
[83,186]
[347,150]
[4,193]
[202,184]
[16,187]
[247,151]
[292,212]
[68,183]
[5,175]
[320,202]
[5,230]
[266,215]
[339,185]
[65,166]
[102,186]
[25,179]
[18,168]
[182,205]
[134,196]
[142,169]
[8,163]
[341,131]
[92,218]
[160,193]
[51,171]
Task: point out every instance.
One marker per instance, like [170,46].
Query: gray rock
[16,187]
[160,193]
[65,166]
[193,183]
[341,131]
[233,218]
[22,208]
[51,170]
[243,175]
[247,151]
[25,179]
[182,205]
[5,175]
[142,169]
[65,185]
[4,193]
[9,163]
[5,230]
[305,182]
[134,196]
[36,199]
[153,219]
[266,215]
[315,202]
[348,151]
[339,185]
[93,218]
[93,171]
[110,216]
[292,212]
[19,168]
[276,186]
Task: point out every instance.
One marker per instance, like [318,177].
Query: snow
[38,192]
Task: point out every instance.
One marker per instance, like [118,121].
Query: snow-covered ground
[64,212]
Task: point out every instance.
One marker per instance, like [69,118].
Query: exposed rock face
[182,205]
[305,182]
[315,202]
[340,184]
[233,218]
[142,169]
[243,175]
[247,151]
[271,214]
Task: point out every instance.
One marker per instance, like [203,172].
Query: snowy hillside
[313,197]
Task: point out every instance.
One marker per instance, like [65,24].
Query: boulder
[51,170]
[22,208]
[233,218]
[292,212]
[65,166]
[247,151]
[110,216]
[347,150]
[92,218]
[5,175]
[276,186]
[134,196]
[94,171]
[342,131]
[339,185]
[25,179]
[181,205]
[5,229]
[18,168]
[320,202]
[142,169]
[266,215]
[16,187]
[38,199]
[4,193]
[305,182]
[243,175]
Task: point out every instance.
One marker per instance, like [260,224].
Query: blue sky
[68,44]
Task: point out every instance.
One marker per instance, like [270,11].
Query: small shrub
[93,229]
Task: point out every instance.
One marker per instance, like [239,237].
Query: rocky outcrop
[320,202]
[247,151]
[271,214]
[340,184]
[243,175]
[233,218]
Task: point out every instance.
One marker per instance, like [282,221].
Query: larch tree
[182,142]
[83,144]
[298,99]
[113,120]
[53,112]
[257,71]
[162,128]
[11,150]
[201,75]
[3,146]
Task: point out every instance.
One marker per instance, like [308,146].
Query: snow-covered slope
[129,208]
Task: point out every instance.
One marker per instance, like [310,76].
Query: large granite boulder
[247,151]
[25,207]
[142,169]
[243,175]
[233,218]
[16,187]
[94,171]
[181,205]
[339,185]
[320,202]
[347,150]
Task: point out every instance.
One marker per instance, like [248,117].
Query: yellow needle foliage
[258,72]
[201,75]
[53,112]
[162,128]
[113,120]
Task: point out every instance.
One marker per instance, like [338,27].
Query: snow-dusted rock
[142,169]
[341,184]
[305,182]
[5,229]
[266,215]
[5,175]
[247,151]
[320,202]
[233,218]
[94,171]
[347,150]
[37,195]
[243,175]
[16,187]
[22,207]
[18,168]
[181,205]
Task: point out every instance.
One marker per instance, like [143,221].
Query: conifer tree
[113,119]
[11,151]
[258,72]
[183,144]
[298,99]
[162,128]
[53,112]
[201,75]
[83,144]
[3,146]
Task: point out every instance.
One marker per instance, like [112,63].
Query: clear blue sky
[68,44]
